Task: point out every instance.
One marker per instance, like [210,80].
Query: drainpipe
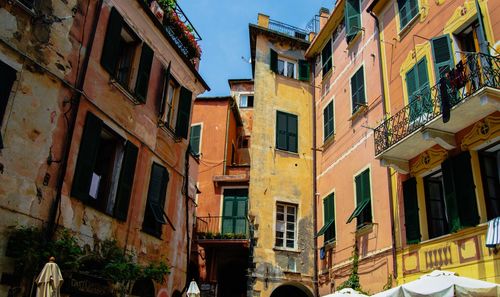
[75,104]
[389,180]
[315,188]
[186,193]
[230,103]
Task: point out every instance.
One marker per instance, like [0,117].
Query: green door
[234,213]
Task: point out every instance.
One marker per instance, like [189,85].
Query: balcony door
[234,213]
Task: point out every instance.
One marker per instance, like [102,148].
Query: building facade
[441,133]
[110,98]
[353,206]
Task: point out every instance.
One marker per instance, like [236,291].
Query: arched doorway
[144,288]
[291,290]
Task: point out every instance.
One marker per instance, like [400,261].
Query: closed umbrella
[49,280]
[347,292]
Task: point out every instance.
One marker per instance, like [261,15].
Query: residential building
[103,120]
[353,206]
[441,133]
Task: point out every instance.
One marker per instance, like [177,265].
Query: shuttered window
[412,223]
[443,55]
[235,210]
[363,211]
[183,114]
[154,214]
[141,86]
[125,182]
[162,100]
[286,131]
[328,130]
[194,139]
[7,78]
[304,70]
[326,58]
[286,220]
[328,229]
[407,9]
[417,85]
[358,89]
[273,63]
[352,14]
[111,48]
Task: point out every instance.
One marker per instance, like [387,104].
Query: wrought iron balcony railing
[288,30]
[222,227]
[473,73]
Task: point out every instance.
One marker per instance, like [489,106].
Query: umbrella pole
[32,284]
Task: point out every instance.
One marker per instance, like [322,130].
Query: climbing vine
[353,280]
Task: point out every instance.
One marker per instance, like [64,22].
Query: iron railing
[474,72]
[288,30]
[222,227]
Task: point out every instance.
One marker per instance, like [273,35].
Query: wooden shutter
[329,215]
[249,101]
[89,145]
[412,222]
[292,132]
[154,213]
[403,13]
[183,113]
[328,121]
[240,214]
[227,213]
[352,18]
[326,57]
[450,195]
[164,94]
[465,190]
[141,86]
[303,70]
[281,130]
[109,56]
[194,139]
[442,54]
[274,61]
[125,182]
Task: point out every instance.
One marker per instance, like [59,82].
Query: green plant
[209,235]
[353,280]
[157,271]
[228,236]
[388,285]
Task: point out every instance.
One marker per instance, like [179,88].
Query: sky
[223,26]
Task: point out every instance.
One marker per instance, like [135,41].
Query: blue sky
[223,25]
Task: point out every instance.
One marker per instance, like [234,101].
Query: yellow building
[281,180]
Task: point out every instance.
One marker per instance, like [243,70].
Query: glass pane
[243,101]
[281,67]
[280,208]
[280,234]
[290,210]
[290,226]
[280,226]
[289,244]
[280,217]
[290,218]
[279,242]
[289,235]
[290,72]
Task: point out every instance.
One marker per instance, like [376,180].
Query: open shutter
[403,13]
[412,222]
[450,195]
[125,182]
[303,70]
[250,101]
[465,190]
[109,56]
[352,17]
[281,131]
[141,86]
[442,54]
[227,214]
[194,139]
[89,144]
[292,133]
[183,114]
[366,214]
[274,61]
[164,94]
[154,215]
[326,58]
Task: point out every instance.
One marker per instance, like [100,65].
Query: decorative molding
[421,50]
[465,245]
[483,130]
[438,257]
[407,257]
[444,139]
[401,166]
[439,2]
[460,16]
[428,160]
[424,10]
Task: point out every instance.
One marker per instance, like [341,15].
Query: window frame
[402,26]
[285,221]
[329,60]
[200,124]
[334,238]
[4,102]
[287,61]
[247,95]
[157,229]
[171,89]
[277,130]
[358,106]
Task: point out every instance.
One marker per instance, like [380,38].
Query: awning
[324,228]
[493,233]
[358,210]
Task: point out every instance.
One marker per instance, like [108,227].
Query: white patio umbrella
[49,281]
[347,292]
[193,290]
[443,284]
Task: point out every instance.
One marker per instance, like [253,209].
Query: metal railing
[474,72]
[222,227]
[288,30]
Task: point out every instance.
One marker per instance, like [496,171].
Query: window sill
[364,229]
[295,154]
[126,92]
[327,75]
[328,142]
[286,250]
[407,28]
[355,39]
[331,244]
[164,126]
[151,233]
[360,111]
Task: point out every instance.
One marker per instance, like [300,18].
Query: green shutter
[443,55]
[407,9]
[125,182]
[240,215]
[465,190]
[326,57]
[164,94]
[194,139]
[154,215]
[412,222]
[183,114]
[141,86]
[303,70]
[366,184]
[109,56]
[89,145]
[450,195]
[227,213]
[281,130]
[329,206]
[352,18]
[292,133]
[274,61]
[328,121]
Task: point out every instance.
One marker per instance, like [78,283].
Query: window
[246,101]
[288,68]
[352,15]
[195,139]
[286,218]
[154,214]
[363,210]
[7,76]
[328,229]
[326,58]
[105,168]
[328,129]
[435,204]
[235,210]
[120,47]
[244,142]
[286,132]
[358,90]
[443,55]
[407,9]
[412,223]
[417,86]
[490,164]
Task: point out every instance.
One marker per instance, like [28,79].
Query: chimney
[324,13]
[263,20]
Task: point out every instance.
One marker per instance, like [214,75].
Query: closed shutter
[328,121]
[273,64]
[240,213]
[183,114]
[466,190]
[109,56]
[407,10]
[141,86]
[326,57]
[164,94]
[329,216]
[443,55]
[281,131]
[125,182]
[353,19]
[450,195]
[154,215]
[227,214]
[194,139]
[358,89]
[89,145]
[292,133]
[412,222]
[303,70]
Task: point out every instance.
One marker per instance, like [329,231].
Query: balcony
[288,30]
[471,91]
[221,229]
